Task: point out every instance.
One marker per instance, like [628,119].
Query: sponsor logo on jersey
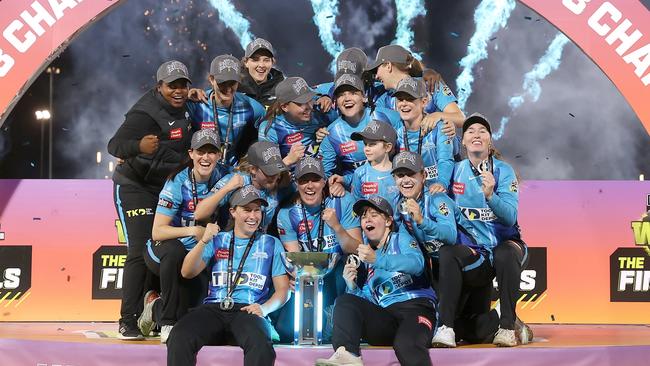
[458,188]
[176,134]
[164,203]
[481,213]
[393,284]
[207,125]
[222,254]
[293,138]
[368,188]
[348,147]
[251,280]
[431,172]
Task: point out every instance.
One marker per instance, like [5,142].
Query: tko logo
[369,188]
[348,147]
[139,212]
[293,138]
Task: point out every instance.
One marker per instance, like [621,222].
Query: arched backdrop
[614,34]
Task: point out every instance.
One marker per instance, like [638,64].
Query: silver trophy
[308,313]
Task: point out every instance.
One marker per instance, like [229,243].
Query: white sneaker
[164,333]
[505,338]
[445,337]
[341,358]
[523,332]
[145,321]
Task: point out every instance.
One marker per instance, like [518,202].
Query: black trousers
[466,284]
[178,294]
[135,208]
[407,326]
[209,325]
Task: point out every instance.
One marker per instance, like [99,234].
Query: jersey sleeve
[409,260]
[170,198]
[285,229]
[504,203]
[277,268]
[263,135]
[444,157]
[440,98]
[443,225]
[349,219]
[329,156]
[355,184]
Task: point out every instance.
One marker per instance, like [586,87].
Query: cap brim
[304,98]
[346,84]
[223,79]
[273,169]
[476,119]
[203,143]
[373,65]
[357,136]
[171,79]
[245,202]
[404,168]
[360,205]
[412,95]
[320,174]
[260,49]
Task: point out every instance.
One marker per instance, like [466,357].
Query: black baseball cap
[379,203]
[476,118]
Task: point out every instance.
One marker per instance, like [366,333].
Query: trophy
[308,311]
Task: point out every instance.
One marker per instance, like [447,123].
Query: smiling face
[376,150]
[350,102]
[298,112]
[409,108]
[205,159]
[247,218]
[310,188]
[259,65]
[410,184]
[477,140]
[175,93]
[374,224]
[224,91]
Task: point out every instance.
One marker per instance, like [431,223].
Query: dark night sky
[112,63]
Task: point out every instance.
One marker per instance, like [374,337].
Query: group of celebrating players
[215,185]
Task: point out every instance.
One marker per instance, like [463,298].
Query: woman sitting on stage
[486,192]
[316,222]
[175,232]
[243,263]
[389,300]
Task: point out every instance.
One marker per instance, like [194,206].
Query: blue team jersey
[245,110]
[176,201]
[342,155]
[271,197]
[438,227]
[484,224]
[397,274]
[437,152]
[264,262]
[368,181]
[291,224]
[285,133]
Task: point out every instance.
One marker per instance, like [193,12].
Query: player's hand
[367,254]
[198,95]
[321,134]
[149,144]
[414,210]
[210,231]
[437,188]
[296,153]
[350,275]
[430,121]
[255,309]
[487,184]
[337,190]
[198,231]
[329,216]
[235,182]
[433,79]
[324,103]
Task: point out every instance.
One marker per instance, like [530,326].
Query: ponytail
[274,110]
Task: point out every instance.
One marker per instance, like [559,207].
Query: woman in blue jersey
[223,109]
[429,218]
[434,146]
[394,63]
[243,265]
[389,300]
[316,222]
[175,232]
[486,193]
[262,167]
[342,155]
[292,123]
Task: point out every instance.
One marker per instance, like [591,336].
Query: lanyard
[406,139]
[195,196]
[226,142]
[230,286]
[319,247]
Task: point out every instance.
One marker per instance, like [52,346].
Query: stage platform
[85,344]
